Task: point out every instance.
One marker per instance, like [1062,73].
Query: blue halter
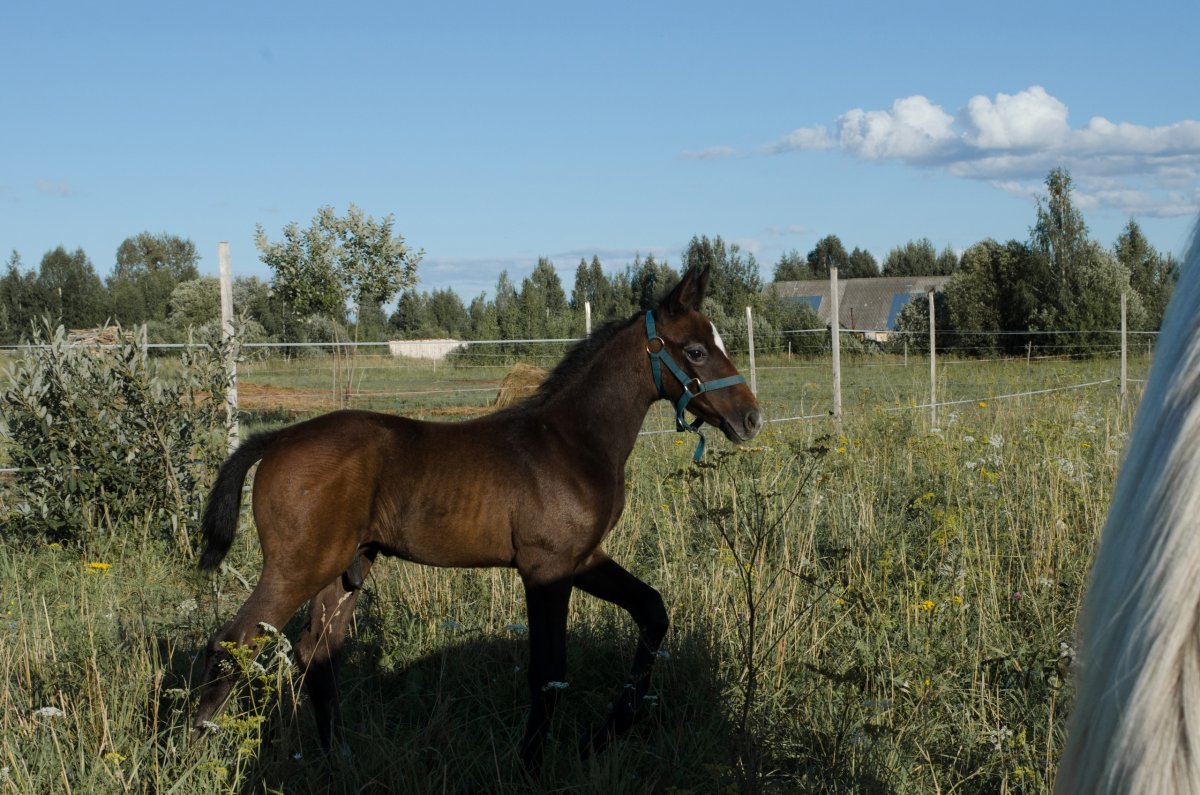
[657,348]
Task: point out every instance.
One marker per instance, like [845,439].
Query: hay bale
[521,382]
[103,335]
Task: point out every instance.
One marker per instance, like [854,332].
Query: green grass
[913,605]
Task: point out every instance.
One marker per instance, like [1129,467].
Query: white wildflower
[999,736]
[48,712]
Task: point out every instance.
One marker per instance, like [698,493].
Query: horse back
[472,493]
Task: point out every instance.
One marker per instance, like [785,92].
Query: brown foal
[536,487]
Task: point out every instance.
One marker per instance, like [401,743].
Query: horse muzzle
[745,427]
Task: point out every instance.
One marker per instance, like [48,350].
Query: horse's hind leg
[272,602]
[612,583]
[320,645]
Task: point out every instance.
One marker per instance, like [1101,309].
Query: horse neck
[605,406]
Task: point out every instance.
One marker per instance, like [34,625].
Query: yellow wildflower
[98,566]
[927,605]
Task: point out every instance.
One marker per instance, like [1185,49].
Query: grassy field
[885,609]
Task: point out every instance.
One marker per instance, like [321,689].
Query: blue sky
[496,133]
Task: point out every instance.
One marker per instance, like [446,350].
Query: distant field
[277,388]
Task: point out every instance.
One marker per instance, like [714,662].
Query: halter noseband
[657,348]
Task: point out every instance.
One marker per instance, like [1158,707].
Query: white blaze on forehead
[717,338]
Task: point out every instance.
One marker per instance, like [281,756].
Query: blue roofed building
[867,307]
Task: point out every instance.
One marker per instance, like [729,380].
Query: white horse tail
[1135,727]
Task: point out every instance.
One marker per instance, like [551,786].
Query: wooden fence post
[1124,350]
[227,336]
[834,329]
[932,366]
[750,337]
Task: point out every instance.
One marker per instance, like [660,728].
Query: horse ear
[688,295]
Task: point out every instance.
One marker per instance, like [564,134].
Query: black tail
[224,502]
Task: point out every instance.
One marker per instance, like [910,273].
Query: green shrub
[103,436]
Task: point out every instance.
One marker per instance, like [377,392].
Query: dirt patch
[253,397]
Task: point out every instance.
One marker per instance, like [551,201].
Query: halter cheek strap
[657,348]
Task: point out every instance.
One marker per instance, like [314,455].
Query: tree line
[1005,297]
[332,280]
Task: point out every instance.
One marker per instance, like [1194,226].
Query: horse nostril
[753,421]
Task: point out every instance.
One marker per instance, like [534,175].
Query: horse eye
[695,354]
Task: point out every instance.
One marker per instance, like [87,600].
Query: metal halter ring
[655,345]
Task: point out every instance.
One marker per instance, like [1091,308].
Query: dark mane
[575,361]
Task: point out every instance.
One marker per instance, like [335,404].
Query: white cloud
[1102,136]
[1012,141]
[790,229]
[55,188]
[711,153]
[913,129]
[1030,119]
[801,139]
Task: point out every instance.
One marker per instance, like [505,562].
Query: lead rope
[657,348]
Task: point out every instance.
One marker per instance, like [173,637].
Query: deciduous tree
[914,258]
[147,270]
[861,264]
[735,281]
[791,267]
[828,252]
[338,260]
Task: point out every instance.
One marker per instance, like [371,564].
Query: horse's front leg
[547,604]
[604,578]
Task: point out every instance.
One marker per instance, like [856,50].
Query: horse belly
[448,529]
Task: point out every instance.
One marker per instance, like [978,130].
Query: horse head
[692,369]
